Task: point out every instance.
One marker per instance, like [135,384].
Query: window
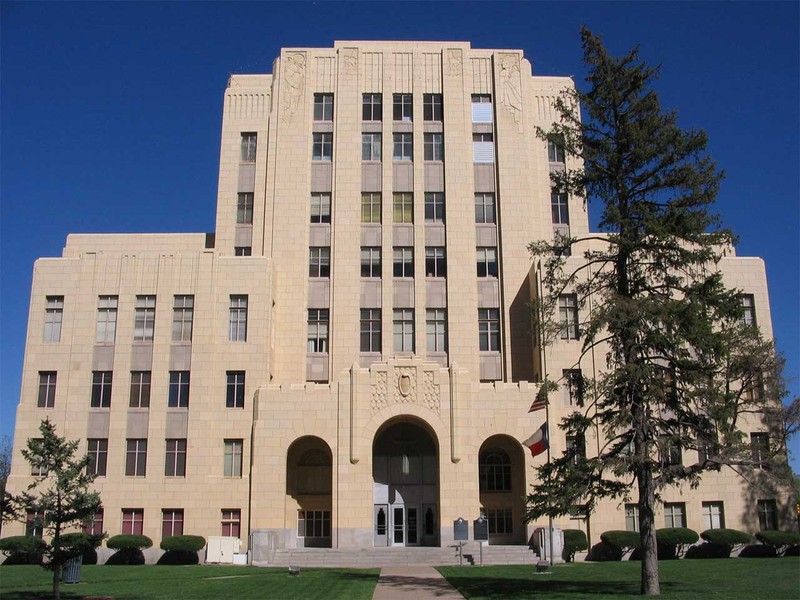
[489,329]
[34,523]
[402,107]
[244,208]
[371,146]
[145,319]
[38,468]
[436,330]
[495,471]
[498,519]
[233,458]
[136,458]
[713,515]
[759,447]
[485,211]
[370,261]
[432,108]
[248,147]
[313,523]
[231,522]
[631,517]
[403,146]
[403,262]
[182,316]
[97,449]
[481,108]
[434,146]
[558,205]
[568,316]
[106,319]
[319,261]
[674,514]
[577,447]
[707,448]
[101,389]
[370,330]
[748,309]
[94,525]
[178,389]
[323,107]
[403,330]
[434,207]
[234,397]
[322,148]
[171,522]
[47,389]
[435,262]
[237,320]
[372,107]
[555,152]
[370,207]
[487,262]
[242,250]
[175,458]
[403,205]
[482,148]
[669,451]
[767,515]
[573,380]
[140,389]
[132,521]
[317,330]
[320,208]
[53,315]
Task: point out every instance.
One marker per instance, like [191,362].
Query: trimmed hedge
[574,540]
[76,544]
[624,540]
[781,541]
[129,542]
[604,552]
[23,550]
[183,543]
[726,538]
[674,541]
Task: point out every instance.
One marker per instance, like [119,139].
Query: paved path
[413,583]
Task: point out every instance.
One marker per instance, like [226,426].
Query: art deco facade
[348,360]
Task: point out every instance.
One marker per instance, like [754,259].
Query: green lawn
[745,578]
[155,582]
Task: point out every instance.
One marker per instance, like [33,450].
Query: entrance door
[398,526]
[381,520]
[412,526]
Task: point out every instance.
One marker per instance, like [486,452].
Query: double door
[396,525]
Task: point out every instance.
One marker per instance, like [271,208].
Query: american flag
[538,404]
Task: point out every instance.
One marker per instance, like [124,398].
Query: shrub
[624,540]
[674,541]
[129,549]
[727,538]
[183,543]
[708,550]
[574,540]
[758,551]
[76,544]
[780,540]
[178,557]
[604,552]
[23,550]
[129,556]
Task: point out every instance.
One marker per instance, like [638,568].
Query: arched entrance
[405,474]
[501,473]
[308,489]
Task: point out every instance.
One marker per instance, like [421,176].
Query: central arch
[405,475]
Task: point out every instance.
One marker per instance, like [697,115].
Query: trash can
[71,572]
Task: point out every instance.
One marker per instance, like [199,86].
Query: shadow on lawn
[507,587]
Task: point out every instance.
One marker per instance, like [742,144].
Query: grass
[740,578]
[154,582]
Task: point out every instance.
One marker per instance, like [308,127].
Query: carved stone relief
[511,87]
[293,79]
[406,384]
[350,59]
[378,400]
[430,392]
[454,61]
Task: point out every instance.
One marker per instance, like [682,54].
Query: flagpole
[543,360]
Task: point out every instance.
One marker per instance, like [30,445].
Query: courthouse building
[347,361]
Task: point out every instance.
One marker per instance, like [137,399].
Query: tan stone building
[348,360]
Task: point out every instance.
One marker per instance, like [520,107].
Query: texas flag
[539,441]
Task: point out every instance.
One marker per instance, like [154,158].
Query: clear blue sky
[111,113]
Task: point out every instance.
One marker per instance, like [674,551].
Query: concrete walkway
[413,583]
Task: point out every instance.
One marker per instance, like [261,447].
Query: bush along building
[348,361]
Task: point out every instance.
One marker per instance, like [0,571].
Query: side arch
[309,487]
[502,488]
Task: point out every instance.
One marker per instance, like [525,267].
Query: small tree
[61,495]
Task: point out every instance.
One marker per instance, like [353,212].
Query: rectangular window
[434,207]
[171,522]
[175,458]
[244,208]
[759,447]
[144,319]
[322,148]
[320,208]
[435,262]
[370,261]
[234,397]
[555,152]
[101,389]
[402,146]
[481,108]
[674,514]
[669,451]
[487,262]
[372,107]
[371,146]
[94,525]
[178,389]
[97,449]
[34,523]
[559,208]
[499,520]
[248,147]
[53,316]
[106,331]
[319,261]
[432,107]
[577,446]
[403,262]
[313,523]
[403,207]
[370,207]
[489,329]
[713,515]
[748,309]
[767,515]
[317,330]
[323,107]
[403,330]
[182,318]
[231,522]
[47,389]
[485,210]
[242,250]
[370,330]
[233,458]
[568,316]
[434,146]
[482,148]
[140,389]
[136,458]
[38,469]
[573,380]
[631,517]
[402,107]
[237,319]
[132,521]
[436,330]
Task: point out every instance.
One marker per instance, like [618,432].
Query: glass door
[398,526]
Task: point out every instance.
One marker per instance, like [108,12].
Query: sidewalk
[413,583]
